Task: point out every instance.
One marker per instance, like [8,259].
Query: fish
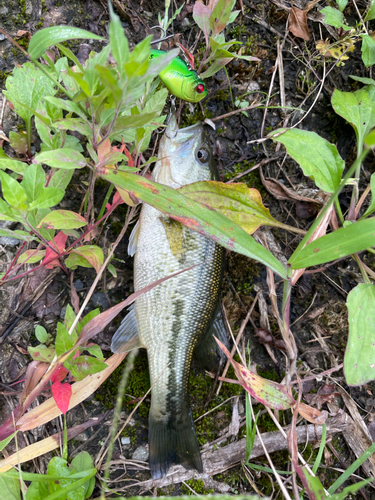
[181,81]
[181,314]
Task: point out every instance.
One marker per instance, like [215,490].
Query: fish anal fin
[173,441]
[127,337]
[207,353]
[176,239]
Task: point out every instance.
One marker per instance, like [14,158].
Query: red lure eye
[200,88]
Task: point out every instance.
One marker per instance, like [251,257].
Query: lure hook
[164,36]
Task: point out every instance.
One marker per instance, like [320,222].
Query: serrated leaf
[359,360]
[63,219]
[341,243]
[33,181]
[368,50]
[41,334]
[62,158]
[42,353]
[239,203]
[93,254]
[64,341]
[317,157]
[43,39]
[25,88]
[194,215]
[84,365]
[31,256]
[13,192]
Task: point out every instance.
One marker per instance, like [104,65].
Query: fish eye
[200,88]
[203,155]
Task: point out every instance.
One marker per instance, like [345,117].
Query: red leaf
[188,55]
[60,240]
[61,394]
[59,375]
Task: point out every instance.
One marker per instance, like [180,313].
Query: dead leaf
[281,192]
[298,23]
[265,337]
[21,33]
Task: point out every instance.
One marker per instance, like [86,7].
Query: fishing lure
[181,81]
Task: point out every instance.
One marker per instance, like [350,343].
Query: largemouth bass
[174,317]
[181,81]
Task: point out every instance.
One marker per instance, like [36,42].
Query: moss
[237,31]
[197,486]
[252,179]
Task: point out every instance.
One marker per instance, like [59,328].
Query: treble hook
[160,39]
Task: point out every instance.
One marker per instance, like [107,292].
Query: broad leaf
[371,11]
[63,219]
[19,235]
[240,204]
[83,462]
[61,178]
[41,334]
[67,105]
[358,108]
[93,254]
[62,158]
[118,41]
[342,4]
[317,157]
[49,197]
[31,256]
[18,142]
[334,18]
[201,15]
[345,241]
[359,360]
[46,37]
[42,353]
[220,15]
[194,215]
[37,490]
[61,394]
[10,487]
[13,192]
[84,365]
[368,50]
[64,341]
[14,165]
[33,181]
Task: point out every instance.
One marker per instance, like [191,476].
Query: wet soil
[318,300]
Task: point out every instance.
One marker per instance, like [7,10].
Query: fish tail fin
[173,441]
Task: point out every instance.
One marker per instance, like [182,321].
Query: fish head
[184,156]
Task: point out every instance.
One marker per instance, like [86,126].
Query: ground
[318,310]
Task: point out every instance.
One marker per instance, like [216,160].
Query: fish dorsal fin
[133,240]
[127,337]
[207,352]
[176,238]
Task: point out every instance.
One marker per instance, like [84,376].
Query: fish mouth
[184,134]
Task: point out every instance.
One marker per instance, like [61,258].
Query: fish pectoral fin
[207,352]
[133,240]
[176,238]
[127,336]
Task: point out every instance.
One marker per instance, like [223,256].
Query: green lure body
[180,80]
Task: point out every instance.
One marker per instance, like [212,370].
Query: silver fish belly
[172,318]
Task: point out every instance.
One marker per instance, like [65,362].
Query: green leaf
[334,18]
[359,360]
[133,121]
[25,88]
[33,181]
[6,212]
[18,142]
[94,350]
[37,491]
[220,15]
[61,178]
[31,256]
[317,157]
[83,462]
[368,50]
[366,81]
[13,192]
[93,254]
[64,341]
[313,486]
[76,124]
[42,353]
[74,260]
[63,219]
[41,334]
[237,202]
[62,158]
[6,441]
[358,108]
[342,4]
[20,235]
[353,488]
[46,37]
[49,197]
[69,106]
[370,139]
[345,241]
[14,165]
[84,365]
[10,488]
[196,216]
[92,314]
[371,11]
[118,41]
[216,66]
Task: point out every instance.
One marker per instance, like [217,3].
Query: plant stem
[365,277]
[339,211]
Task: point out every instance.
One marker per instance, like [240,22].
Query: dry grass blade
[41,447]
